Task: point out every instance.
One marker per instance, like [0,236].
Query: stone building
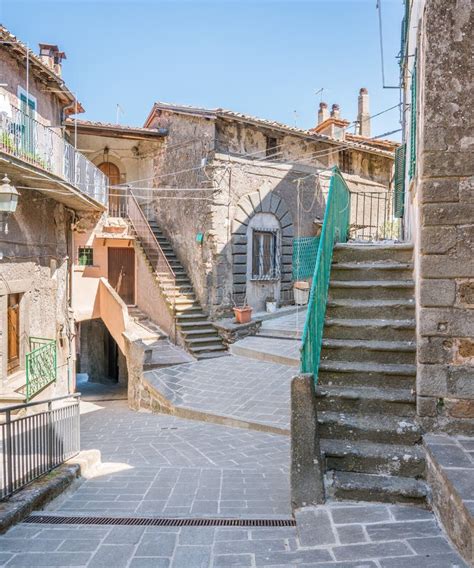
[56,187]
[246,188]
[439,205]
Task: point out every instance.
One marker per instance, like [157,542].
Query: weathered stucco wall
[48,109]
[183,214]
[34,263]
[444,204]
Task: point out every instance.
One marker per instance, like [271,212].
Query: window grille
[399,189]
[346,161]
[265,255]
[86,256]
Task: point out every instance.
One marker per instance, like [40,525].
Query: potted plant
[243,314]
[271,305]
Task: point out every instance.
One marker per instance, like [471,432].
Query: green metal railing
[335,229]
[41,365]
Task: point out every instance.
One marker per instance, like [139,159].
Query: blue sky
[261,57]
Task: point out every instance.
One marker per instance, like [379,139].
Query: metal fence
[335,229]
[36,443]
[372,216]
[41,365]
[26,138]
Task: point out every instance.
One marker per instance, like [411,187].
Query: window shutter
[414,89]
[399,191]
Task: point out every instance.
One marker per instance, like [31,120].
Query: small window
[346,161]
[86,256]
[265,264]
[272,146]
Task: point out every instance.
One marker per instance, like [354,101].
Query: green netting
[335,229]
[305,251]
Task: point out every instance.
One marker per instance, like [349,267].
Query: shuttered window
[399,191]
[265,263]
[414,89]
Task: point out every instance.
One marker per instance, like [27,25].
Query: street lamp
[8,202]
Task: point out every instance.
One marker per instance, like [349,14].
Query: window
[346,161]
[86,256]
[265,265]
[272,146]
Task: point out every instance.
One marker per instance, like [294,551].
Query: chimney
[335,111]
[323,113]
[363,116]
[52,57]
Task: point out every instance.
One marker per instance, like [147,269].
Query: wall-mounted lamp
[8,202]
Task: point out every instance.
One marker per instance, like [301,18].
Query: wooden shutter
[399,191]
[414,89]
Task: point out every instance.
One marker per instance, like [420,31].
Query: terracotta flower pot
[244,314]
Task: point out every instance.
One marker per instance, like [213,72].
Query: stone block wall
[445,217]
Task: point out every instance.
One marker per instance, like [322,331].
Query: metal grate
[157,522]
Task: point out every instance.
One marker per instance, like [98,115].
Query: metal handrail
[26,138]
[146,235]
[38,402]
[335,229]
[36,443]
[41,365]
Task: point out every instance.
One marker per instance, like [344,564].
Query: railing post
[8,453]
[50,435]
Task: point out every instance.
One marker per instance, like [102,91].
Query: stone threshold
[450,473]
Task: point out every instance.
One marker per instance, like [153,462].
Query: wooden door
[13,337]
[122,272]
[113,173]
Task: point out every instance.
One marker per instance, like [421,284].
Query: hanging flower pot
[243,314]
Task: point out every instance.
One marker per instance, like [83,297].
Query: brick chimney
[363,115]
[52,57]
[335,111]
[323,112]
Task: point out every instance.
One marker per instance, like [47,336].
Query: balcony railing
[24,137]
[41,365]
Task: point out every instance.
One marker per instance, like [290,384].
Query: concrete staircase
[366,404]
[199,335]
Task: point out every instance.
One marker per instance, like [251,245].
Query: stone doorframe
[261,202]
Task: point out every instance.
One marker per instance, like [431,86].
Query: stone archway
[248,206]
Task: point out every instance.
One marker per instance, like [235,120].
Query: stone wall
[34,263]
[444,203]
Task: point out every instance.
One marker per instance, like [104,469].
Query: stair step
[377,428]
[356,373]
[368,457]
[369,309]
[352,252]
[367,400]
[203,340]
[187,308]
[382,488]
[198,325]
[383,329]
[211,355]
[194,315]
[371,270]
[391,352]
[203,331]
[371,289]
[206,348]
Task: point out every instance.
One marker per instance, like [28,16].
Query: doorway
[13,335]
[116,201]
[121,271]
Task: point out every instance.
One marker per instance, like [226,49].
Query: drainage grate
[157,522]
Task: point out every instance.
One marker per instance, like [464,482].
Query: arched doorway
[116,201]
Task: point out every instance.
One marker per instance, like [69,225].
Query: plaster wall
[34,263]
[48,107]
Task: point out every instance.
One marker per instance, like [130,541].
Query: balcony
[35,155]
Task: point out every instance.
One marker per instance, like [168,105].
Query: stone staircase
[199,335]
[365,395]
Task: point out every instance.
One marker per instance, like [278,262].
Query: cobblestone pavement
[235,387]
